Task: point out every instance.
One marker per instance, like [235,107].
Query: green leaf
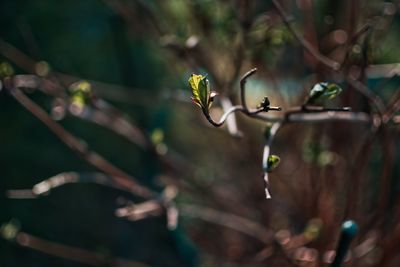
[201,92]
[323,91]
[272,163]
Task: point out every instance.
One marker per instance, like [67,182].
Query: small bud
[265,104]
[272,162]
[6,69]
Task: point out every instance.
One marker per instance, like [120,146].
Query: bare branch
[307,46]
[392,107]
[232,221]
[79,146]
[243,81]
[231,120]
[64,178]
[71,253]
[223,117]
[374,99]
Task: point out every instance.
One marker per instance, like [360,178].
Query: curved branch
[231,122]
[243,81]
[243,108]
[221,121]
[231,111]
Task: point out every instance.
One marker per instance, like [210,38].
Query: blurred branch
[307,46]
[71,253]
[16,56]
[374,99]
[392,107]
[107,116]
[267,150]
[120,177]
[104,114]
[46,186]
[105,90]
[232,221]
[154,207]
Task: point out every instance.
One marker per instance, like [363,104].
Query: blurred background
[105,161]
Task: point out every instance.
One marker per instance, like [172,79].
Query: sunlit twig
[61,179]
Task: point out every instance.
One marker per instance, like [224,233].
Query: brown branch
[71,253]
[232,221]
[121,178]
[329,116]
[373,99]
[361,88]
[243,81]
[109,117]
[61,179]
[306,45]
[392,107]
[242,108]
[16,56]
[104,114]
[223,118]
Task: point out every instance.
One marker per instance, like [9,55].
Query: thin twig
[374,99]
[71,253]
[223,117]
[246,109]
[243,81]
[392,107]
[243,108]
[267,150]
[231,124]
[320,116]
[232,221]
[61,179]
